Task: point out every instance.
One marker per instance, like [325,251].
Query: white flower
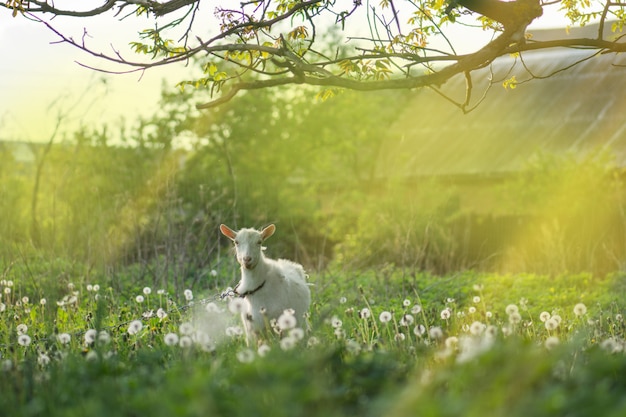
[2,307]
[25,300]
[551,342]
[544,316]
[286,321]
[511,309]
[451,342]
[147,290]
[23,340]
[406,303]
[43,301]
[89,287]
[489,314]
[170,339]
[476,299]
[436,332]
[161,292]
[185,328]
[234,331]
[551,324]
[406,320]
[353,346]
[7,290]
[90,336]
[336,322]
[297,333]
[445,314]
[343,300]
[104,337]
[580,309]
[419,330]
[288,343]
[399,337]
[96,288]
[365,313]
[385,317]
[618,317]
[477,328]
[416,309]
[185,342]
[139,298]
[161,313]
[263,350]
[212,308]
[22,329]
[245,356]
[557,318]
[64,338]
[188,295]
[313,341]
[6,365]
[135,327]
[515,318]
[340,333]
[237,305]
[213,273]
[43,359]
[471,310]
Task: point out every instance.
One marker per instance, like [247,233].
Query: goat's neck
[254,277]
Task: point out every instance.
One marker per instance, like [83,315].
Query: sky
[40,78]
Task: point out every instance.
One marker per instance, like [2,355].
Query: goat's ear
[228,232]
[268,231]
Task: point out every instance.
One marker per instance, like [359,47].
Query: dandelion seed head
[476,299]
[445,314]
[515,318]
[7,290]
[170,339]
[619,317]
[42,302]
[6,365]
[477,328]
[64,338]
[313,341]
[161,313]
[297,333]
[471,310]
[511,309]
[365,313]
[89,287]
[188,295]
[406,303]
[544,316]
[161,292]
[139,299]
[340,333]
[385,317]
[336,322]
[580,309]
[286,321]
[25,300]
[213,273]
[263,350]
[147,290]
[186,328]
[43,359]
[436,332]
[212,308]
[343,300]
[551,324]
[90,336]
[135,327]
[489,314]
[2,307]
[399,337]
[406,320]
[185,342]
[416,309]
[551,342]
[234,331]
[451,342]
[287,343]
[558,318]
[237,305]
[21,329]
[353,346]
[96,288]
[245,356]
[23,340]
[104,337]
[419,330]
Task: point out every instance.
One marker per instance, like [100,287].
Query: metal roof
[579,110]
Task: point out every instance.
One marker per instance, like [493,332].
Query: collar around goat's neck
[251,292]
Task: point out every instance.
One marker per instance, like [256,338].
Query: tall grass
[467,344]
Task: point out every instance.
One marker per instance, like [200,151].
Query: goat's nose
[246,259]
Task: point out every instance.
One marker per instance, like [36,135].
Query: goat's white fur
[268,286]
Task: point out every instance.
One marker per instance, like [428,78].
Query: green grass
[485,361]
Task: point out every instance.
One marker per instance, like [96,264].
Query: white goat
[268,286]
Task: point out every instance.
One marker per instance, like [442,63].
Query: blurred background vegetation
[152,197]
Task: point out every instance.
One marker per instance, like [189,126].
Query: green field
[379,344]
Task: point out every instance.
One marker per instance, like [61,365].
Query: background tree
[389,42]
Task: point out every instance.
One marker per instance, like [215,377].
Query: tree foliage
[387,44]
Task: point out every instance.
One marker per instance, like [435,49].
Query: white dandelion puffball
[435,332]
[104,337]
[170,339]
[385,317]
[419,330]
[263,350]
[245,356]
[476,299]
[580,309]
[188,295]
[297,333]
[212,308]
[147,291]
[237,305]
[139,299]
[544,316]
[161,313]
[336,322]
[135,327]
[185,328]
[416,309]
[23,340]
[551,342]
[64,338]
[286,321]
[511,309]
[22,329]
[365,313]
[43,359]
[477,328]
[515,318]
[90,336]
[287,343]
[406,303]
[185,342]
[551,324]
[445,314]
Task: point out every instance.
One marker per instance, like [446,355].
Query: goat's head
[248,243]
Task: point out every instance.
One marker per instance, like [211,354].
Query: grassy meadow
[377,344]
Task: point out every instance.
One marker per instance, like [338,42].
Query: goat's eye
[236,242]
[259,242]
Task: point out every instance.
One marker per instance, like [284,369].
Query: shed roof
[579,110]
